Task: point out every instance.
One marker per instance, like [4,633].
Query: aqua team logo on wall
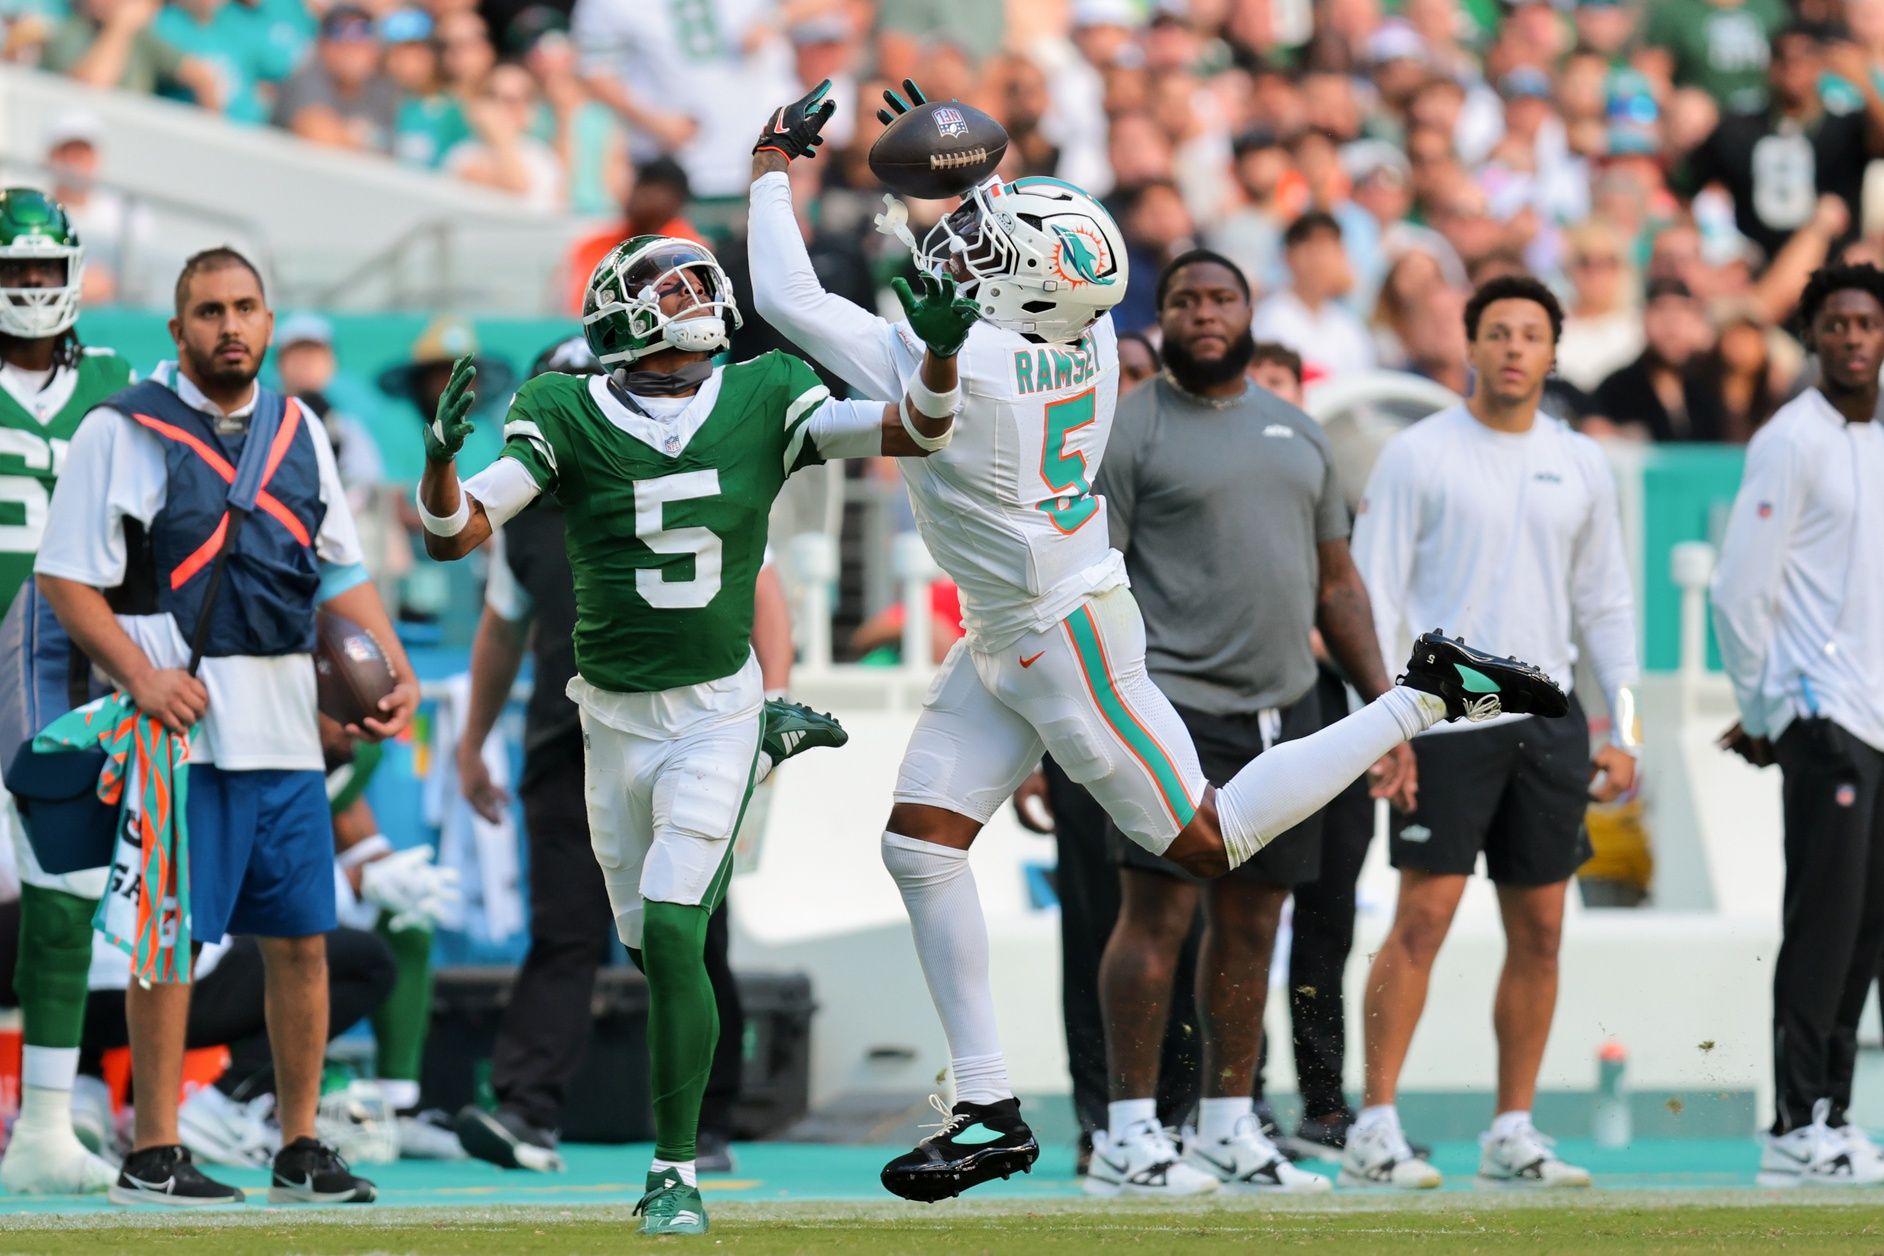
[1081,256]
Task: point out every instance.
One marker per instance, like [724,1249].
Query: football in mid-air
[351,671]
[939,149]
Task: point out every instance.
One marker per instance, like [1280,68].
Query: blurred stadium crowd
[1674,168]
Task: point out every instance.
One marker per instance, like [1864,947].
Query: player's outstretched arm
[455,524]
[924,420]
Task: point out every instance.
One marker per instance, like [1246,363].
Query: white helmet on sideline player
[1037,255]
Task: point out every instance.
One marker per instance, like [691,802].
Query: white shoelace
[1478,710]
[950,1122]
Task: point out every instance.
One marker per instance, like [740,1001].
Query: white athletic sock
[763,768]
[54,1068]
[44,1110]
[683,1167]
[1290,782]
[938,889]
[1217,1118]
[1380,1116]
[1122,1114]
[1505,1124]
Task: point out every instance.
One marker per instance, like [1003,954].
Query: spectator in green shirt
[1719,46]
[234,40]
[109,43]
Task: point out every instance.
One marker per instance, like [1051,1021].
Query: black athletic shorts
[1224,744]
[1516,791]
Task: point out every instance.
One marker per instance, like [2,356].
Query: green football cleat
[671,1206]
[1478,686]
[793,728]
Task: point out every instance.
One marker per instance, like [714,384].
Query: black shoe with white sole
[509,1141]
[1478,686]
[976,1143]
[307,1171]
[166,1177]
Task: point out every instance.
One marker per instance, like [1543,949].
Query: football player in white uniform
[1054,652]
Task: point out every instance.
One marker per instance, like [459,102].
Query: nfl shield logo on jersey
[950,123]
[673,444]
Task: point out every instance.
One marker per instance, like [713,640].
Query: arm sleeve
[1386,535]
[860,348]
[505,487]
[1602,601]
[845,429]
[112,472]
[506,598]
[1752,565]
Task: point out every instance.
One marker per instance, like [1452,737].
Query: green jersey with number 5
[35,428]
[666,517]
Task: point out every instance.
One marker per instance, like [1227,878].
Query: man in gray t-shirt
[1225,502]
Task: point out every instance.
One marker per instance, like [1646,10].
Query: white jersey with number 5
[1007,508]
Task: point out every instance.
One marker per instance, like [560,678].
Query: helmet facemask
[38,313]
[625,317]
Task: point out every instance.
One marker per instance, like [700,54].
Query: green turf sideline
[1703,1221]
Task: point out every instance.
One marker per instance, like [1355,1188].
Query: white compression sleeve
[847,429]
[504,488]
[1288,783]
[944,908]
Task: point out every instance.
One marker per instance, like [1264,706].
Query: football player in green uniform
[47,384]
[666,468]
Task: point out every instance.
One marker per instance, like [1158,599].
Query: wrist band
[445,525]
[1622,721]
[930,403]
[928,444]
[366,850]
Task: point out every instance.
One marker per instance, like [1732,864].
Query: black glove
[897,103]
[793,130]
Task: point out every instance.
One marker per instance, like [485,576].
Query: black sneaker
[507,1140]
[1478,686]
[1325,1138]
[977,1143]
[1082,1156]
[166,1176]
[308,1171]
[713,1152]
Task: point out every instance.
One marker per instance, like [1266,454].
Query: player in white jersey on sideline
[1054,652]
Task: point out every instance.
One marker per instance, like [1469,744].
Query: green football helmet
[35,228]
[622,317]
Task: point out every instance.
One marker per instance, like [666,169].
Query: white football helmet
[1038,255]
[622,317]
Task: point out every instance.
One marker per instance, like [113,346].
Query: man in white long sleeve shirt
[1054,655]
[1502,521]
[1798,600]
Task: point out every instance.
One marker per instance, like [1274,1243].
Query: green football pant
[402,1021]
[55,961]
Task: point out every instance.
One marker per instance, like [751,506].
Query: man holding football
[666,467]
[1054,652]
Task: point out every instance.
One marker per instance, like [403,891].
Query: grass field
[1688,1195]
[1712,1221]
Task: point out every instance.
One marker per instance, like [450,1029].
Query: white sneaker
[1525,1157]
[1247,1162]
[1859,1144]
[428,1135]
[1143,1162]
[1818,1155]
[93,1120]
[219,1130]
[52,1162]
[1379,1156]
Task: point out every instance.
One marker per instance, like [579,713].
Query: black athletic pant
[545,1030]
[1832,934]
[1087,881]
[227,1005]
[1322,937]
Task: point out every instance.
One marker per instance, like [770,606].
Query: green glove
[444,435]
[938,317]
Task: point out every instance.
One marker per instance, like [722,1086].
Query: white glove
[418,892]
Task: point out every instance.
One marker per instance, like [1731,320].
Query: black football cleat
[977,1143]
[1478,686]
